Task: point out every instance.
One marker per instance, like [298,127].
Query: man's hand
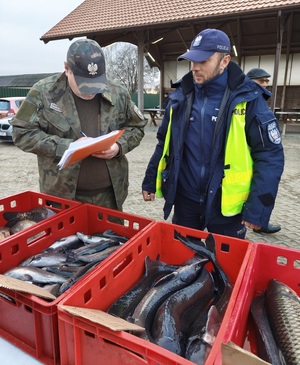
[250,225]
[148,196]
[108,154]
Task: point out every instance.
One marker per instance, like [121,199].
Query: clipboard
[79,150]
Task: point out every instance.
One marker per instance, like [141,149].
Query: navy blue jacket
[263,137]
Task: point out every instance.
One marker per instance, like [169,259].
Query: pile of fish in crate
[53,251]
[128,290]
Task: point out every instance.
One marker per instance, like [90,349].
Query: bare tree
[122,65]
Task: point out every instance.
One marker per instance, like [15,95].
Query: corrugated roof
[106,15]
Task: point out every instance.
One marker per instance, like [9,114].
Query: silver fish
[97,256]
[45,259]
[64,243]
[34,275]
[90,239]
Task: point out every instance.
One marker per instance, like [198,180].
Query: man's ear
[66,68]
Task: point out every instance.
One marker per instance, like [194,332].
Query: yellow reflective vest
[238,165]
[163,160]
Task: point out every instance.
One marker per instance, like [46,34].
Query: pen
[83,134]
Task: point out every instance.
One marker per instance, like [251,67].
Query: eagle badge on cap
[92,68]
[197,41]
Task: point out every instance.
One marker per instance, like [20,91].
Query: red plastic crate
[85,342]
[265,263]
[30,322]
[28,200]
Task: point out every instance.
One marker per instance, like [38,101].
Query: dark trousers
[190,213]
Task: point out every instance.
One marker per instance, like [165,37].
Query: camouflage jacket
[47,122]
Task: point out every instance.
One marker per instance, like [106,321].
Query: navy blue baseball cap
[207,42]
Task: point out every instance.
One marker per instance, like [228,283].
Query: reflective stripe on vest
[238,165]
[163,161]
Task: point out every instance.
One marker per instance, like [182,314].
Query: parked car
[6,129]
[10,105]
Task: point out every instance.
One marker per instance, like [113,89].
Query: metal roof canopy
[272,31]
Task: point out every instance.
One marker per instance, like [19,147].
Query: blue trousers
[190,213]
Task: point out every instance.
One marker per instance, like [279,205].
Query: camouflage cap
[86,60]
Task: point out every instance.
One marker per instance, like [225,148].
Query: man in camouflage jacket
[48,121]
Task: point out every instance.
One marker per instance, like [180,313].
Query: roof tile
[106,15]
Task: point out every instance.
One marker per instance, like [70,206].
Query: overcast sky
[22,23]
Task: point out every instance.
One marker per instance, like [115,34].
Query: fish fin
[210,243]
[213,321]
[130,319]
[165,279]
[168,343]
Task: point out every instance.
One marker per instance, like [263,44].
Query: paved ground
[19,173]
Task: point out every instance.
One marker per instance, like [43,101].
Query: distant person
[56,112]
[165,101]
[261,77]
[219,156]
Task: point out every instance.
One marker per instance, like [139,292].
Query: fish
[266,345]
[88,239]
[175,315]
[20,225]
[144,313]
[65,243]
[223,290]
[90,249]
[77,276]
[199,346]
[63,270]
[34,275]
[45,259]
[109,233]
[283,308]
[52,288]
[35,214]
[125,305]
[223,284]
[97,256]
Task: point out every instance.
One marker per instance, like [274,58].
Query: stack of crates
[30,322]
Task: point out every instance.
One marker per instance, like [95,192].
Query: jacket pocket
[56,123]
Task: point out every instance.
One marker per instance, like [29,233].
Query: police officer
[81,99]
[219,157]
[261,77]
